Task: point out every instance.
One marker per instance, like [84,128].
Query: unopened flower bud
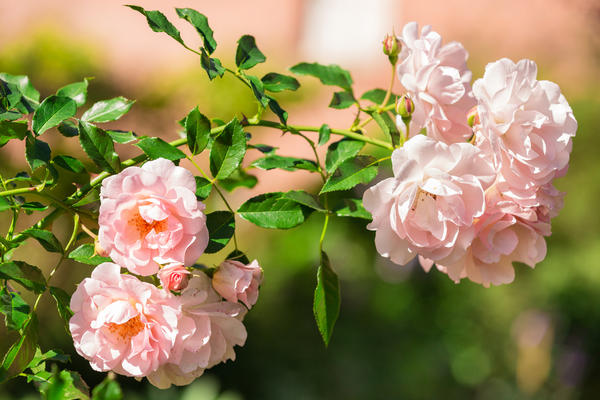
[405,106]
[473,117]
[174,277]
[391,48]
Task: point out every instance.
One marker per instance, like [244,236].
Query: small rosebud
[405,106]
[473,117]
[174,277]
[391,48]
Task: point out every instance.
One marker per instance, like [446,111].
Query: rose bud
[391,48]
[174,277]
[405,106]
[238,282]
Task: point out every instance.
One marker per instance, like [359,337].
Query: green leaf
[200,22]
[378,95]
[14,308]
[37,153]
[285,163]
[158,148]
[50,355]
[203,187]
[273,210]
[62,299]
[45,238]
[12,130]
[121,136]
[85,254]
[304,198]
[326,305]
[99,147]
[276,108]
[353,208]
[263,148]
[238,178]
[247,54]
[34,206]
[108,110]
[221,227]
[4,204]
[69,163]
[275,82]
[228,150]
[20,353]
[108,389]
[65,385]
[159,23]
[52,112]
[324,134]
[92,196]
[25,274]
[350,173]
[340,151]
[76,91]
[212,66]
[68,129]
[332,75]
[25,88]
[341,100]
[197,129]
[387,125]
[258,90]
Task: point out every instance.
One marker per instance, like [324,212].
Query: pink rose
[216,327]
[526,124]
[430,204]
[124,325]
[150,216]
[238,282]
[438,81]
[174,277]
[506,233]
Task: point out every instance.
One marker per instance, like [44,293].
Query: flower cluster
[151,223]
[476,193]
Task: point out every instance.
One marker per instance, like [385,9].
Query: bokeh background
[402,334]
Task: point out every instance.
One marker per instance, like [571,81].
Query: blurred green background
[402,333]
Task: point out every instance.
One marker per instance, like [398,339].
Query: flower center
[128,329]
[144,227]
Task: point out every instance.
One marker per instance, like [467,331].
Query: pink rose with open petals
[150,216]
[526,125]
[430,204]
[216,327]
[124,325]
[174,277]
[438,80]
[236,281]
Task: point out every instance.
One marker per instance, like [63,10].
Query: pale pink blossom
[506,233]
[216,327]
[236,281]
[502,239]
[174,277]
[430,204]
[150,216]
[526,125]
[438,80]
[124,325]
